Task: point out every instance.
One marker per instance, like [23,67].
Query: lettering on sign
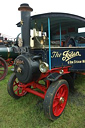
[67,56]
[56,54]
[76,61]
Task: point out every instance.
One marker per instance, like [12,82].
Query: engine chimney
[25,24]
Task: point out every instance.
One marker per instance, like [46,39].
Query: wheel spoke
[63,94]
[16,90]
[57,96]
[57,109]
[15,83]
[55,103]
[61,105]
[3,68]
[61,91]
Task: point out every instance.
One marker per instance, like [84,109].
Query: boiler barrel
[7,52]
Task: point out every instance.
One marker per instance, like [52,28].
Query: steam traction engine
[7,57]
[31,67]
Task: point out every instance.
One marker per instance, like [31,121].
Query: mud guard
[55,76]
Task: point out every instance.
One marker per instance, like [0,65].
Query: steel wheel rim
[19,91]
[3,69]
[60,100]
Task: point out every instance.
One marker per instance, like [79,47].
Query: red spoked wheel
[3,68]
[56,99]
[60,99]
[14,88]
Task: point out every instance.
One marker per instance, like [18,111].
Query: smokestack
[25,23]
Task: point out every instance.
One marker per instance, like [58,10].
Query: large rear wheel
[56,99]
[3,68]
[14,88]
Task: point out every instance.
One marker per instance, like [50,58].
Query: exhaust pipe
[25,24]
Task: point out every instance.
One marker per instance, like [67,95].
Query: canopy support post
[49,44]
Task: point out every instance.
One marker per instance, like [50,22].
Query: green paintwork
[7,52]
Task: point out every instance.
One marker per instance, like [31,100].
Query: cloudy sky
[9,14]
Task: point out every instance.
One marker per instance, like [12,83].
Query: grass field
[27,112]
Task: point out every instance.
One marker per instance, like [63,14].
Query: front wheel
[56,99]
[14,88]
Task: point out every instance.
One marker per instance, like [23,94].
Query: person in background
[71,42]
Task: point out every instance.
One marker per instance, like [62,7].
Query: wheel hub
[61,100]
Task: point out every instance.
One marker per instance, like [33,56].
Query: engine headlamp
[43,67]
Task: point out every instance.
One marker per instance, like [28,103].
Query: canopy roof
[65,19]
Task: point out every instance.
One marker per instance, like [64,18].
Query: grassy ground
[27,112]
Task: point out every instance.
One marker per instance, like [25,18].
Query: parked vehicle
[7,56]
[52,54]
